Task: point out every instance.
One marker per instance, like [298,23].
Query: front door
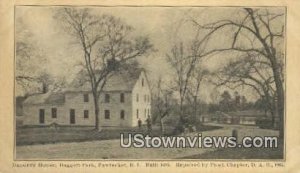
[42,116]
[72,116]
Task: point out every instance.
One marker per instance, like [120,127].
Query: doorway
[42,116]
[72,116]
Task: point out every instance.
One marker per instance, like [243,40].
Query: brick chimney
[44,88]
[112,64]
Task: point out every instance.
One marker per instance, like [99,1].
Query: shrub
[264,123]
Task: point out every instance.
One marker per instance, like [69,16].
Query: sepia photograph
[149,83]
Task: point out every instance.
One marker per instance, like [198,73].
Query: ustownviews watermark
[145,141]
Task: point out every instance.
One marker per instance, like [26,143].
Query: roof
[247,113]
[47,98]
[223,114]
[117,81]
[205,115]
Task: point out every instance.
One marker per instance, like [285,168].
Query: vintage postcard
[120,87]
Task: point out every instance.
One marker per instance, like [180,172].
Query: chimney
[112,64]
[237,100]
[44,88]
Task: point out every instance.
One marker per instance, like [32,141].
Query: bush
[264,123]
[171,120]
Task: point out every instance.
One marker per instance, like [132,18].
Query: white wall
[247,120]
[115,107]
[31,115]
[142,104]
[75,100]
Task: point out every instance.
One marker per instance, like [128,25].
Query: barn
[125,99]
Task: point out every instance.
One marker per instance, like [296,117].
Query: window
[54,113]
[122,114]
[145,113]
[72,116]
[137,97]
[137,113]
[42,116]
[86,97]
[107,98]
[107,114]
[148,111]
[86,114]
[122,98]
[142,82]
[72,111]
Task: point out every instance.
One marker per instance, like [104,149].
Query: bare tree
[265,30]
[162,102]
[198,77]
[184,60]
[183,68]
[250,71]
[106,44]
[29,75]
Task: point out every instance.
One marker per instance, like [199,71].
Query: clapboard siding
[75,100]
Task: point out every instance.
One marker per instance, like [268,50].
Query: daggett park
[86,75]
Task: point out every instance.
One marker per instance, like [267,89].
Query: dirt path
[110,149]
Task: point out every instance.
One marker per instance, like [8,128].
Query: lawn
[92,148]
[46,135]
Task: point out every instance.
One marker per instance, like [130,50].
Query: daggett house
[125,99]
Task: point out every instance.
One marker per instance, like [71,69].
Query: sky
[160,24]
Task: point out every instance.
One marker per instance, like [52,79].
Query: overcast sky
[158,23]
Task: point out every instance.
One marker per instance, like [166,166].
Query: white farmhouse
[125,99]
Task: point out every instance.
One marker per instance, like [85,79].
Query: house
[217,117]
[19,109]
[205,118]
[246,117]
[125,99]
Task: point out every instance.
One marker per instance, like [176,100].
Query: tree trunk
[280,106]
[271,107]
[97,125]
[96,104]
[195,106]
[181,123]
[181,108]
[280,95]
[162,129]
[272,111]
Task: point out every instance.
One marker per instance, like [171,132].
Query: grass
[96,147]
[46,135]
